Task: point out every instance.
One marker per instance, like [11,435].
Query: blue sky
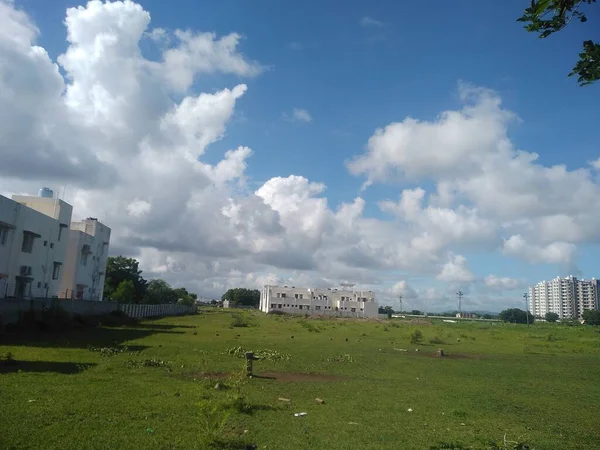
[361,66]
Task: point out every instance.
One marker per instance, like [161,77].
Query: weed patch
[271,355]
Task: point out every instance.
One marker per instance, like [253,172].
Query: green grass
[83,389]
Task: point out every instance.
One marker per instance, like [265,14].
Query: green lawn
[538,385]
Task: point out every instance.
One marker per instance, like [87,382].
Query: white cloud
[403,288]
[298,115]
[456,270]
[554,253]
[367,21]
[199,53]
[595,164]
[502,283]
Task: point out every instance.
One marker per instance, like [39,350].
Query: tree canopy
[516,315]
[119,269]
[549,16]
[551,317]
[124,283]
[242,296]
[124,292]
[591,317]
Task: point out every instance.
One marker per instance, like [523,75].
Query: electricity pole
[460,296]
[526,296]
[400,300]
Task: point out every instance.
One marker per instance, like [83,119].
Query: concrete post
[249,359]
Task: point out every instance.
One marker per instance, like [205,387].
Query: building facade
[85,264]
[568,297]
[35,246]
[326,302]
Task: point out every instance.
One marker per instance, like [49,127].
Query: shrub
[416,337]
[436,340]
[239,321]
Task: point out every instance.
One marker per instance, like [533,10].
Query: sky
[411,151]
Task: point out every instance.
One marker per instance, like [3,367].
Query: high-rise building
[568,297]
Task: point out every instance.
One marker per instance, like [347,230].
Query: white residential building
[42,253]
[568,297]
[33,244]
[85,265]
[327,302]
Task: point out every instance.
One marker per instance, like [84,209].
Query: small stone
[283,399]
[319,400]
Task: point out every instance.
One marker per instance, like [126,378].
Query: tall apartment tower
[568,297]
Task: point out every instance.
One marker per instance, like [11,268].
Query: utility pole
[400,300]
[526,296]
[460,296]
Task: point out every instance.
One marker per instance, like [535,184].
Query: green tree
[551,317]
[158,292]
[591,317]
[386,310]
[516,315]
[486,316]
[242,296]
[125,292]
[549,16]
[119,269]
[416,312]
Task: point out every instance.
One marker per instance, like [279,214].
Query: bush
[239,321]
[416,337]
[551,317]
[436,340]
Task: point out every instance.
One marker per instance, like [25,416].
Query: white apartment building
[36,248]
[33,244]
[85,264]
[568,297]
[327,302]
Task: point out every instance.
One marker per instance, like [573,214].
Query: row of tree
[515,315]
[242,297]
[124,283]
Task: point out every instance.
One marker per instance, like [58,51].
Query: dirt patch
[291,377]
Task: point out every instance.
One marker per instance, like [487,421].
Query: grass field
[153,386]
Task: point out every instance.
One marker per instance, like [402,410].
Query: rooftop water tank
[46,193]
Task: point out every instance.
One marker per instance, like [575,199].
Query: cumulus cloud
[131,132]
[403,288]
[455,270]
[502,283]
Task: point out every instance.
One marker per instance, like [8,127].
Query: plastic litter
[409,409]
[300,414]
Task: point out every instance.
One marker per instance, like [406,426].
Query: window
[283,295]
[51,245]
[27,245]
[3,236]
[353,309]
[317,307]
[299,296]
[279,295]
[39,284]
[56,270]
[84,258]
[279,306]
[300,306]
[60,230]
[45,243]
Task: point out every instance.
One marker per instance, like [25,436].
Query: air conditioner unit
[25,271]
